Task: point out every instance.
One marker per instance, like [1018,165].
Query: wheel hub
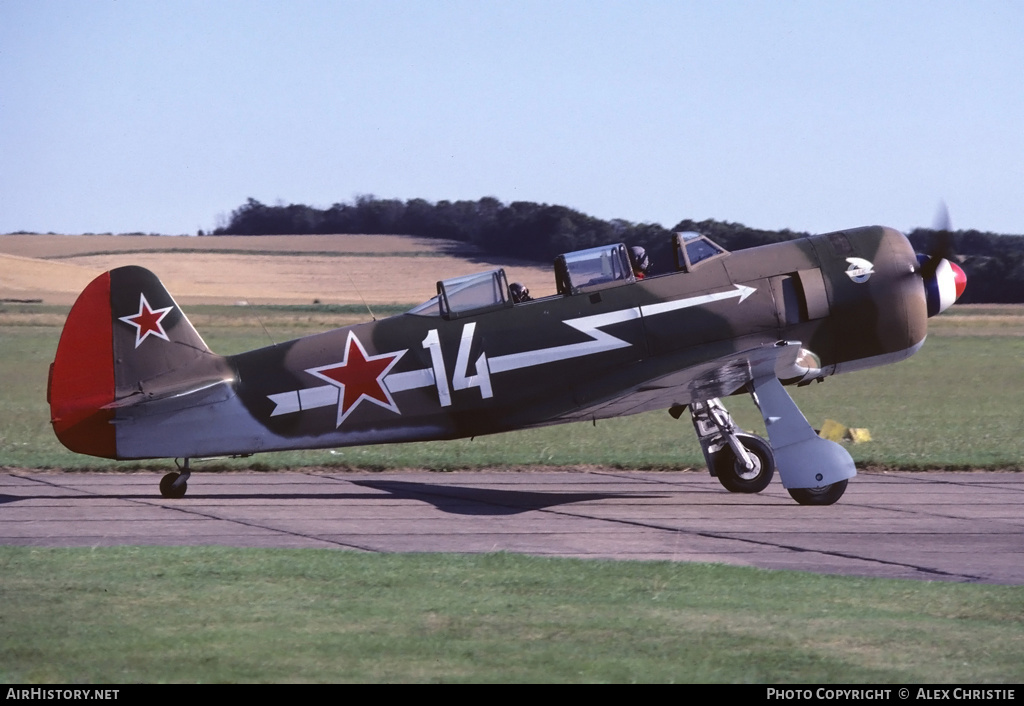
[749,473]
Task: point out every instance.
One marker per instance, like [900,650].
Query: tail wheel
[735,476]
[825,495]
[167,488]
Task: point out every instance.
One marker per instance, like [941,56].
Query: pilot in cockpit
[639,261]
[519,293]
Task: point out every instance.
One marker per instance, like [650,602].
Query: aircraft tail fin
[125,339]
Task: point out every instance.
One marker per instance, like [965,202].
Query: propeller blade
[941,220]
[941,243]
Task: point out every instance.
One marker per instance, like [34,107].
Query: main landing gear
[743,463]
[746,463]
[175,485]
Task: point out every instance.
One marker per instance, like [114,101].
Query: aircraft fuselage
[852,299]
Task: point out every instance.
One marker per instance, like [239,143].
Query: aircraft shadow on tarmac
[484,501]
[452,499]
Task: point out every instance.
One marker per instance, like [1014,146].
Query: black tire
[166,487]
[825,495]
[735,477]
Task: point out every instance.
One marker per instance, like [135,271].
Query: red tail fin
[82,375]
[125,337]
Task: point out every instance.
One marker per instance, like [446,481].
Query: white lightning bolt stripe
[741,291]
[411,380]
[604,341]
[589,325]
[327,395]
[307,398]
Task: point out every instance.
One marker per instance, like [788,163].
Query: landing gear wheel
[166,486]
[736,477]
[825,495]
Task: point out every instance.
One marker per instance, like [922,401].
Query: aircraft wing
[804,459]
[722,376]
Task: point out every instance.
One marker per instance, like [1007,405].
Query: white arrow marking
[589,325]
[306,398]
[327,395]
[741,291]
[297,400]
[604,341]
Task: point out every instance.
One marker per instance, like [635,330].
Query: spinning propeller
[944,281]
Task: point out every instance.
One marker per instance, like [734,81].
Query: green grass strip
[209,614]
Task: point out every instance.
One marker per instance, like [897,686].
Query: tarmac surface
[934,526]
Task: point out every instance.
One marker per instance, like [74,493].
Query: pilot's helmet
[639,260]
[519,293]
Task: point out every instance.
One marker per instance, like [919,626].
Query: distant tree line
[520,229]
[994,263]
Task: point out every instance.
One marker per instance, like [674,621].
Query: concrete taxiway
[965,527]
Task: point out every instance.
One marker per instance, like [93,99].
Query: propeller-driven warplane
[132,379]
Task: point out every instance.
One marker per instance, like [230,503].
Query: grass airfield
[212,614]
[226,615]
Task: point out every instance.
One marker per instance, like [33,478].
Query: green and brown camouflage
[132,379]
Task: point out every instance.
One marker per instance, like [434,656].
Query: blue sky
[121,115]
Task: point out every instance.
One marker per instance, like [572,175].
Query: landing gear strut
[743,463]
[814,470]
[175,485]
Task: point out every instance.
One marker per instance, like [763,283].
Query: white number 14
[461,380]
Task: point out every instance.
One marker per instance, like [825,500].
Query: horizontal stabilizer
[180,393]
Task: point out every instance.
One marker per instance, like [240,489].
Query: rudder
[125,341]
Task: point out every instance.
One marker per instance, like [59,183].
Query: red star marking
[360,377]
[147,321]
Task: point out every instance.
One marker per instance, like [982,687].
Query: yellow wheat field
[331,269]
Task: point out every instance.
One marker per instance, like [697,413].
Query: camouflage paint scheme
[132,379]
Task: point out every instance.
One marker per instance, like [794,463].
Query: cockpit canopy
[576,272]
[593,269]
[692,248]
[476,293]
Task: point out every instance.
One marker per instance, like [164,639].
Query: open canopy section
[469,294]
[593,269]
